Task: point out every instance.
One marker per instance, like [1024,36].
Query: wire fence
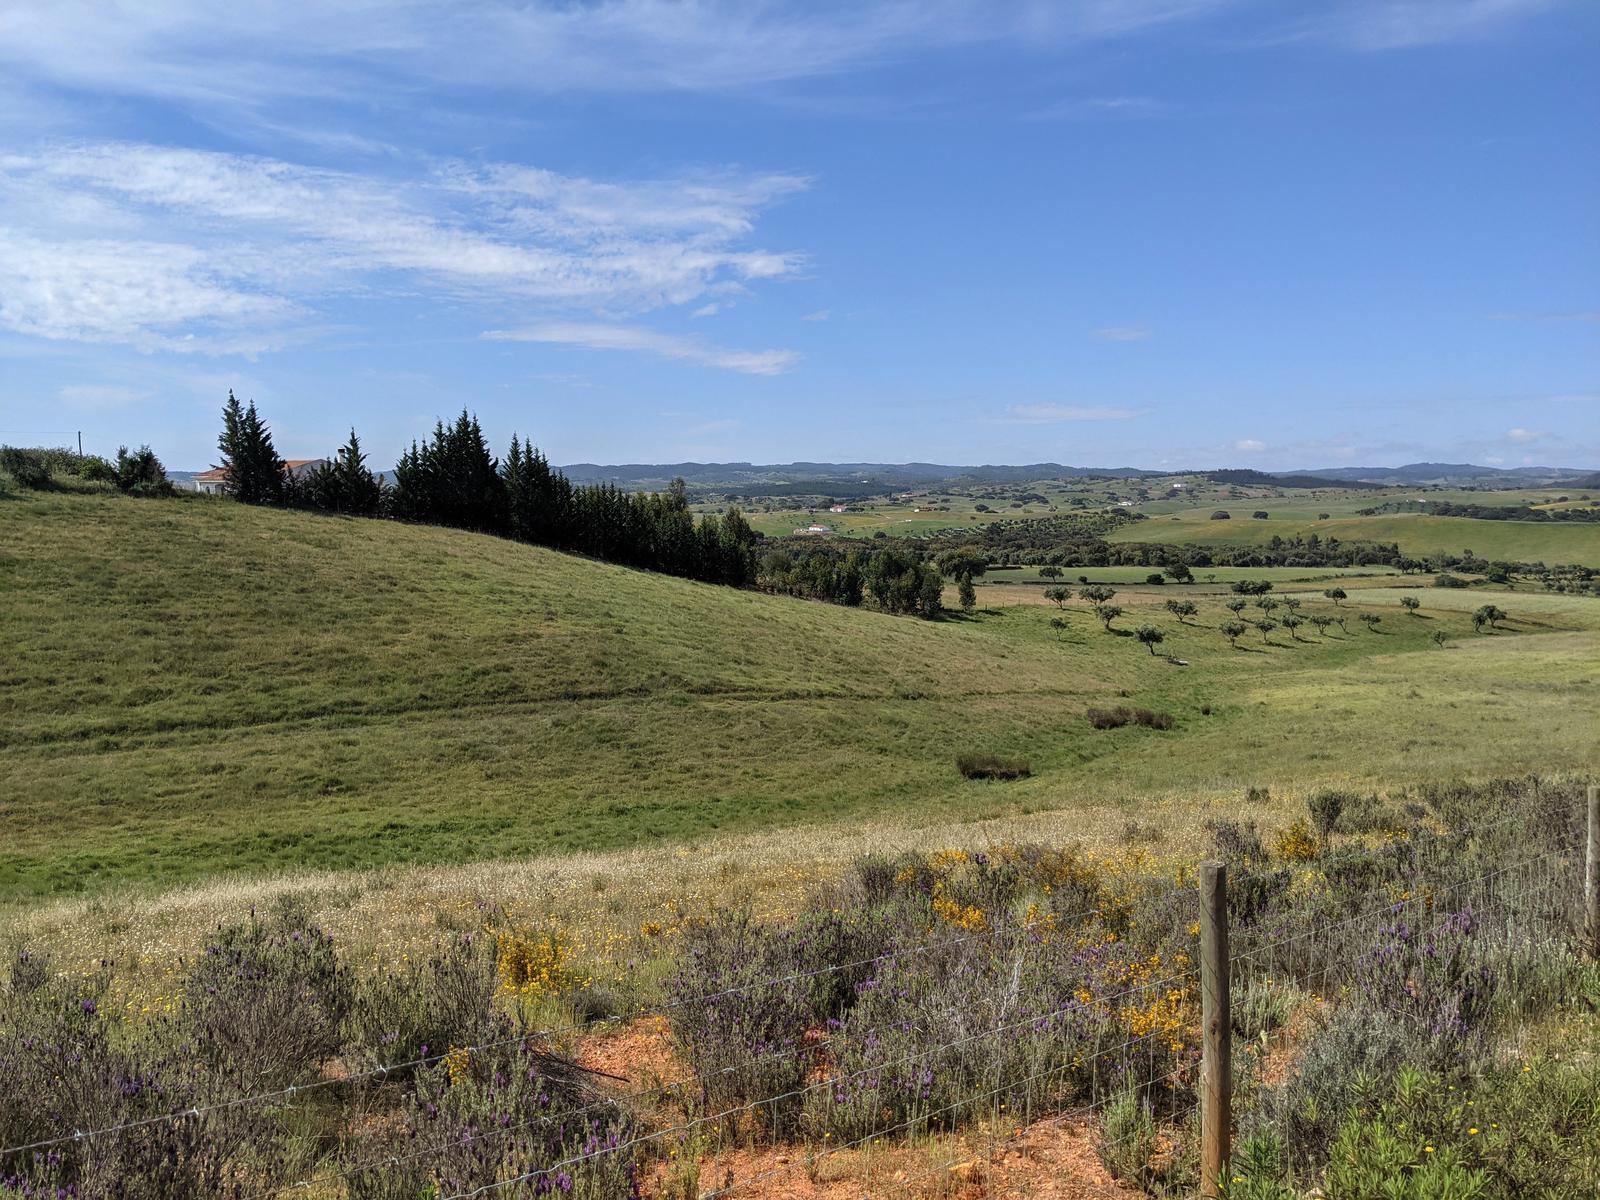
[1062,1031]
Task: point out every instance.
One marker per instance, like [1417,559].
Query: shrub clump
[1116,718]
[991,766]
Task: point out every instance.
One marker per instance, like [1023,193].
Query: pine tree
[452,479]
[230,442]
[344,486]
[361,490]
[255,472]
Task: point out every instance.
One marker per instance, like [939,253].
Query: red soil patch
[640,1052]
[1054,1160]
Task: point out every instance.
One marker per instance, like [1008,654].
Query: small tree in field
[1266,627]
[1182,609]
[1410,604]
[1491,614]
[966,561]
[1236,605]
[1059,624]
[1107,613]
[1058,596]
[1336,594]
[1291,623]
[1096,594]
[1291,603]
[1325,808]
[1049,572]
[1439,638]
[1266,603]
[1343,628]
[1371,620]
[968,594]
[141,473]
[1322,623]
[1151,637]
[1232,630]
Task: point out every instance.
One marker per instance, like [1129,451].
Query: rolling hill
[195,686]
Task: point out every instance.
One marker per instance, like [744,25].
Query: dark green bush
[1116,718]
[141,473]
[991,766]
[27,468]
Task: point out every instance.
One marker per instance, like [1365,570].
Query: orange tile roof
[220,474]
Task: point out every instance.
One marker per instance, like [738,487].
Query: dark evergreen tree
[343,486]
[255,472]
[452,479]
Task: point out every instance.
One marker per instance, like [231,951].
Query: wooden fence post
[1216,1062]
[1591,876]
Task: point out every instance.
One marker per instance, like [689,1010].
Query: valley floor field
[1416,534]
[198,688]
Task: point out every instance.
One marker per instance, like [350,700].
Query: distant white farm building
[215,481]
[816,529]
[836,508]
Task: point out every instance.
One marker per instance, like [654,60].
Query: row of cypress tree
[452,478]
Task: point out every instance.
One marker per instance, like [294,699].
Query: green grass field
[195,687]
[1416,534]
[1182,515]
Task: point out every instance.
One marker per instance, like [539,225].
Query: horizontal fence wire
[1540,895]
[811,1048]
[903,1126]
[380,1072]
[834,1081]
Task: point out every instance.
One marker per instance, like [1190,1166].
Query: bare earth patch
[1050,1159]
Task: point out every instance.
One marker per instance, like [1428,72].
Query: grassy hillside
[195,686]
[1418,535]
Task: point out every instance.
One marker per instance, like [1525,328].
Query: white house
[215,481]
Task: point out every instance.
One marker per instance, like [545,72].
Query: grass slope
[195,687]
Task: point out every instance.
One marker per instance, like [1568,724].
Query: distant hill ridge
[849,477]
[1431,472]
[905,474]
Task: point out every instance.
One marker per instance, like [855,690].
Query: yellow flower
[1473,1132]
[1427,1149]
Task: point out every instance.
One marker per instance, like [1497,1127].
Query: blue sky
[1174,232]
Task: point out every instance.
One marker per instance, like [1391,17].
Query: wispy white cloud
[649,341]
[1120,333]
[146,294]
[1250,446]
[279,48]
[1378,25]
[1100,108]
[821,314]
[172,249]
[1051,414]
[1524,437]
[98,395]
